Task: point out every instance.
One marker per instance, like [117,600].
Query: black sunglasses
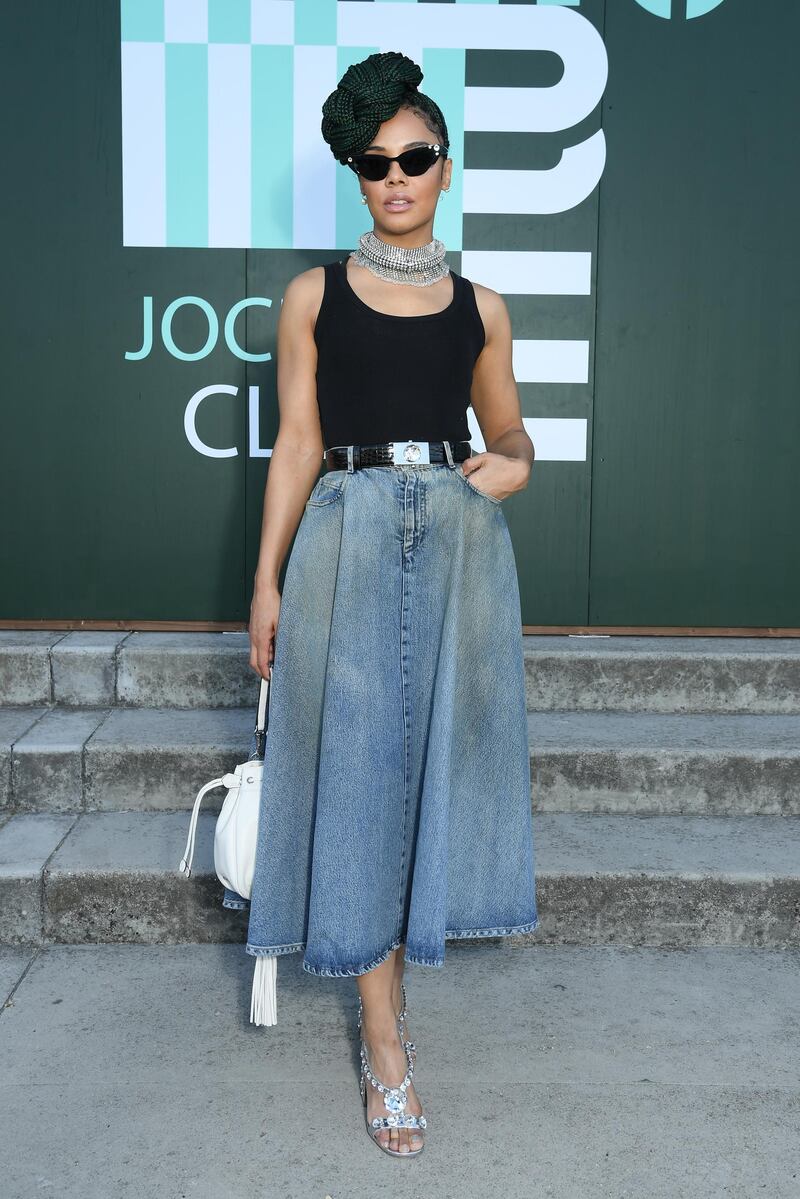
[412,162]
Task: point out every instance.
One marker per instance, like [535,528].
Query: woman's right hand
[264,611]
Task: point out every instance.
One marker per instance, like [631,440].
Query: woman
[395,808]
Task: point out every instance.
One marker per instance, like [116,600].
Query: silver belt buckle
[410,451]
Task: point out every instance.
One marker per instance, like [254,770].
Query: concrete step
[699,763]
[580,672]
[58,759]
[100,669]
[590,672]
[666,881]
[84,759]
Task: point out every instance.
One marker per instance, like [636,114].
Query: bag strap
[262,716]
[227,780]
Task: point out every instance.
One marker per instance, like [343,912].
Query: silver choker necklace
[417,265]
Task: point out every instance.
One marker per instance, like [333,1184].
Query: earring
[363,198]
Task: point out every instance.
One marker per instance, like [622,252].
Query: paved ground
[572,1073]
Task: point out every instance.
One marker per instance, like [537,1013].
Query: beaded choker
[417,265]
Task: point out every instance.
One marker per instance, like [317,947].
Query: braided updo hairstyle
[371,92]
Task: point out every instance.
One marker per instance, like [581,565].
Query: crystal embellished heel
[395,1101]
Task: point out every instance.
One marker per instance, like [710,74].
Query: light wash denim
[396,795]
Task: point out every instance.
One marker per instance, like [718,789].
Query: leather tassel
[264,999]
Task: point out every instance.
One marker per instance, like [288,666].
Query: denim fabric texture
[396,793]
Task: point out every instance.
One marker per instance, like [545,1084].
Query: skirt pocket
[493,499]
[328,488]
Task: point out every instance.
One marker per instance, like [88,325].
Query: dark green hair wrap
[369,93]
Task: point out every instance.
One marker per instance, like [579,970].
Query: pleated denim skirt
[396,793]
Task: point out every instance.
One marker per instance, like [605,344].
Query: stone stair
[665,772]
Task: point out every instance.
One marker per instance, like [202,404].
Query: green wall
[695,489]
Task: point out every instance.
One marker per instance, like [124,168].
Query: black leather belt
[396,453]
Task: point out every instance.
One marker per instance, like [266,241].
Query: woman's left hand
[497,474]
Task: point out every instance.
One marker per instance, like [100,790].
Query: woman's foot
[388,1062]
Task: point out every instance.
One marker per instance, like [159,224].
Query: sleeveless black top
[388,378]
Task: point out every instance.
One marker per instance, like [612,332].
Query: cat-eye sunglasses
[416,161]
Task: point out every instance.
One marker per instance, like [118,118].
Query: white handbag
[235,836]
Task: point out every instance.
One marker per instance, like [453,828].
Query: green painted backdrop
[684,512]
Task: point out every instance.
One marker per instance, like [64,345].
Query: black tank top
[385,378]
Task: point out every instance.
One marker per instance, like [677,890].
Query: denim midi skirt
[396,789]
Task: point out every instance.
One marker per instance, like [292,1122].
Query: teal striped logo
[222,100]
[672,8]
[221,111]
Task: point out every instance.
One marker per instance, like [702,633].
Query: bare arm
[296,456]
[506,464]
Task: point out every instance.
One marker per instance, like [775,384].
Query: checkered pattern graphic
[222,99]
[221,111]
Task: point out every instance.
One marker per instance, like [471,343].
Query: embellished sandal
[395,1100]
[401,1019]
